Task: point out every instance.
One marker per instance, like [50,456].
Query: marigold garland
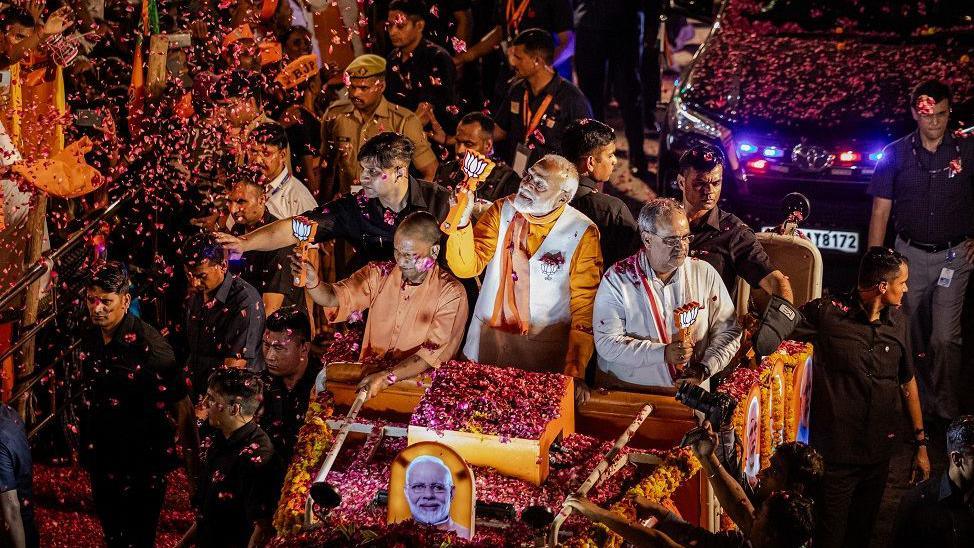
[791,354]
[778,411]
[313,439]
[676,467]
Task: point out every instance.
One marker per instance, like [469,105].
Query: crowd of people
[279,192]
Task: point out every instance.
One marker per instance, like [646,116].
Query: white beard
[534,207]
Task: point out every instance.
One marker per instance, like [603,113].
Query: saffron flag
[136,106]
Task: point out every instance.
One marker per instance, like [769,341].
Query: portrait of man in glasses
[429,492]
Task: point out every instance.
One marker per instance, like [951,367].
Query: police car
[802,96]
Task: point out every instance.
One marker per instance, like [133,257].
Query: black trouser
[846,508]
[128,503]
[649,68]
[605,60]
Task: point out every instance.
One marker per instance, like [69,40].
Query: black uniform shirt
[231,325]
[267,271]
[858,367]
[16,468]
[426,75]
[554,16]
[618,234]
[567,104]
[284,409]
[240,483]
[929,205]
[934,515]
[130,385]
[729,245]
[369,226]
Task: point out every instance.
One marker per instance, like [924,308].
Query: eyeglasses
[534,182]
[420,488]
[674,241]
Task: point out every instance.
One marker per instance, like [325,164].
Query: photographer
[783,521]
[794,467]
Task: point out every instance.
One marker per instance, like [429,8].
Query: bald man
[417,310]
[542,265]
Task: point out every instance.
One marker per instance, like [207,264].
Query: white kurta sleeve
[724,330]
[613,342]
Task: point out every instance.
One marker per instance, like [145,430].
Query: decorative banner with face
[752,436]
[802,396]
[431,484]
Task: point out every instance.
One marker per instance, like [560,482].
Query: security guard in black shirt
[540,104]
[366,220]
[288,379]
[241,475]
[720,238]
[862,377]
[417,70]
[590,145]
[136,405]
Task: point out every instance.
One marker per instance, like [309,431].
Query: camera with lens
[715,406]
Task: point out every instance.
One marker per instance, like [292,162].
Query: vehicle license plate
[846,242]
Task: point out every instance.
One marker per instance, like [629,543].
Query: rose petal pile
[777,71]
[499,401]
[363,468]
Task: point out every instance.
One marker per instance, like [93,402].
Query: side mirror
[701,10]
[796,206]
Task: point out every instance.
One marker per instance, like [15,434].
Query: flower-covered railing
[361,473]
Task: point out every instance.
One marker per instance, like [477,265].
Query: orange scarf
[514,291]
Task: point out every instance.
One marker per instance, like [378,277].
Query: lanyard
[281,186]
[658,320]
[514,15]
[531,122]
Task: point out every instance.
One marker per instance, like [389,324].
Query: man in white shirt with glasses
[660,319]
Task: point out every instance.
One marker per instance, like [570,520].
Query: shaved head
[420,226]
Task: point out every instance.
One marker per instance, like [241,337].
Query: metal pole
[336,446]
[599,472]
[36,224]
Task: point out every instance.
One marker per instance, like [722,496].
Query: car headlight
[685,119]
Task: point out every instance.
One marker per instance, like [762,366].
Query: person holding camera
[784,520]
[862,378]
[794,467]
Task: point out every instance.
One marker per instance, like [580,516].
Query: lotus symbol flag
[687,317]
[304,230]
[474,165]
[476,168]
[301,228]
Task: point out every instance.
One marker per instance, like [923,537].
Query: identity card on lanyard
[531,121]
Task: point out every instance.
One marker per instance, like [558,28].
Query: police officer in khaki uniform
[350,122]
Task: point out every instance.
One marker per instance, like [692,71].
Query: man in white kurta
[636,332]
[541,263]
